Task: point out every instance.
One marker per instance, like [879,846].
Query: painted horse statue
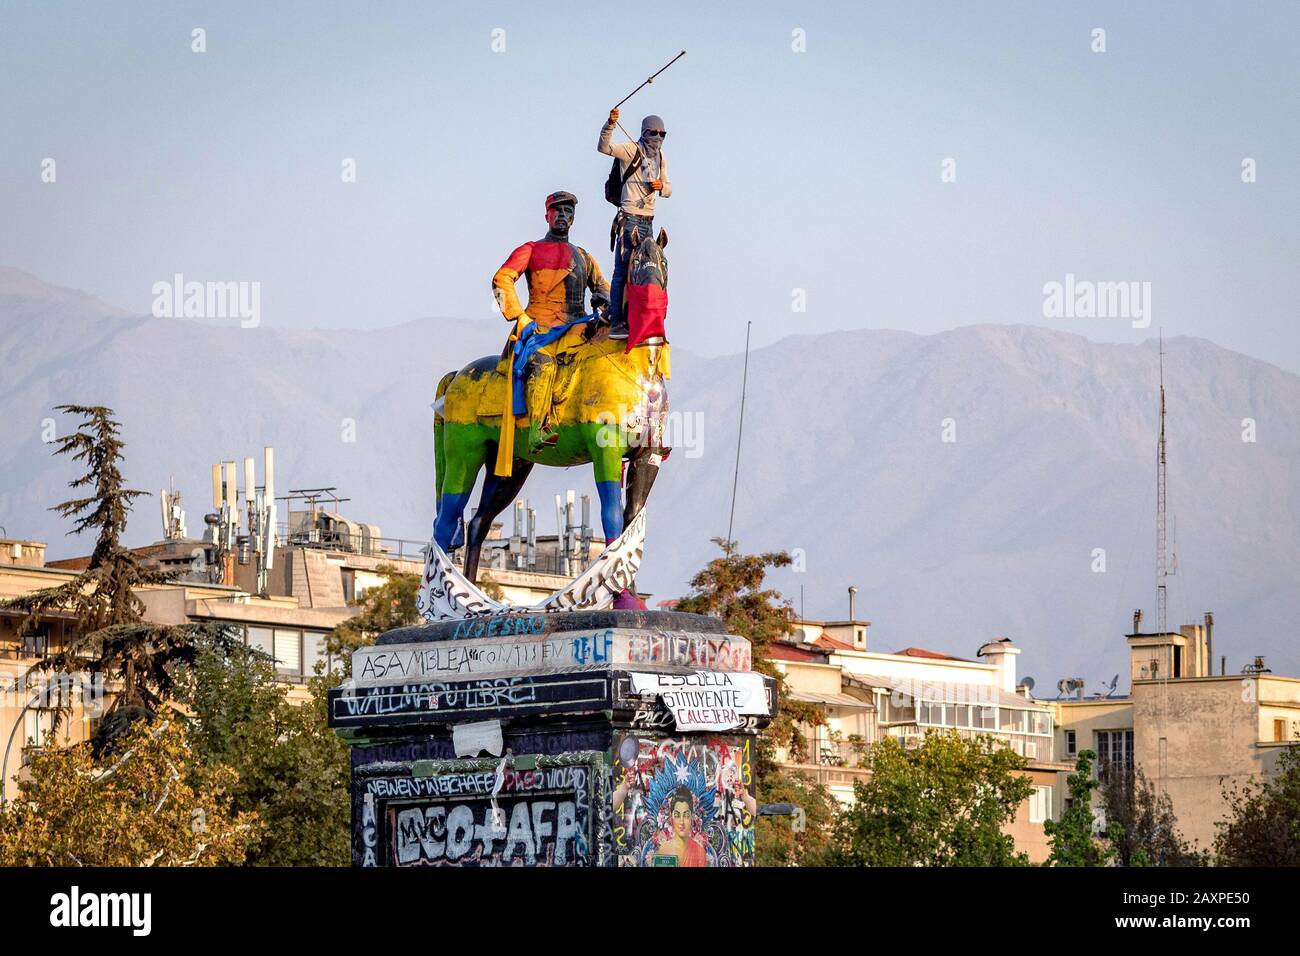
[608,406]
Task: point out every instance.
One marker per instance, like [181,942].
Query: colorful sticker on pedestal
[683,802]
[706,700]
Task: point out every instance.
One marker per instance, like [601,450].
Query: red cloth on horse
[647,307]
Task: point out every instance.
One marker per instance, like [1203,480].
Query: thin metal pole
[740,431]
[650,80]
[4,764]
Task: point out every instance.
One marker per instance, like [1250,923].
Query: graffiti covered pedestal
[584,738]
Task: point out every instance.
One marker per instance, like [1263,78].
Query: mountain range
[986,481]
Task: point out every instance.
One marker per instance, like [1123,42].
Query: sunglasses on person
[654,132]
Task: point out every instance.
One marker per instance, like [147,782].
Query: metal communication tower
[1162,562]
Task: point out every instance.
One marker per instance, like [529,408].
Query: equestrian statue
[570,388]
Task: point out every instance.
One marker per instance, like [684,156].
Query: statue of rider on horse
[569,388]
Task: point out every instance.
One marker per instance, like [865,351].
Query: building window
[900,708]
[1040,804]
[1013,721]
[35,726]
[1114,750]
[288,652]
[38,723]
[295,652]
[1279,730]
[1071,744]
[262,639]
[313,651]
[986,718]
[37,644]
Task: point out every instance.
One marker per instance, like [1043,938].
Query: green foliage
[1071,837]
[268,776]
[1262,827]
[1140,822]
[778,842]
[292,768]
[942,803]
[146,802]
[731,587]
[383,607]
[113,639]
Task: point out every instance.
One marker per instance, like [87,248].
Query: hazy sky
[817,170]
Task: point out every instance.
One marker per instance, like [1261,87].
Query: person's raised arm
[606,144]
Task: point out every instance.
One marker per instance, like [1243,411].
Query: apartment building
[868,695]
[1190,731]
[292,631]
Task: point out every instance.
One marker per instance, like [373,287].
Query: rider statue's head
[559,214]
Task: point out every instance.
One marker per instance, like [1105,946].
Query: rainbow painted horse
[608,407]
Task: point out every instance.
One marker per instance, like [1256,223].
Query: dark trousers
[623,248]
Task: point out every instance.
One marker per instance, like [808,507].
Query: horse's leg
[606,447]
[497,493]
[464,453]
[642,470]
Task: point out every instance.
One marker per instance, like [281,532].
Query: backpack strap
[632,167]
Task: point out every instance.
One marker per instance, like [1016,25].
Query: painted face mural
[683,802]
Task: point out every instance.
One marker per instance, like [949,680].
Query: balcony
[831,763]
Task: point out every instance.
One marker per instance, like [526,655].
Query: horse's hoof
[627,601]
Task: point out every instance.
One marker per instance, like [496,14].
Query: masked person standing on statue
[559,275]
[643,175]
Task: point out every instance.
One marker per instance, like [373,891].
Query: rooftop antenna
[740,431]
[1162,557]
[173,516]
[1162,571]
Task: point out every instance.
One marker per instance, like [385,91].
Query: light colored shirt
[638,197]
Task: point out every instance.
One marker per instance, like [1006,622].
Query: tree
[149,804]
[113,639]
[383,607]
[730,587]
[1140,822]
[1263,823]
[798,841]
[942,803]
[293,769]
[1071,837]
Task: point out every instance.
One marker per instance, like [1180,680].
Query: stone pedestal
[586,738]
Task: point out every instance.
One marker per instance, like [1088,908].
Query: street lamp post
[4,765]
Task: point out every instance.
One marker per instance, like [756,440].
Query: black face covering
[650,144]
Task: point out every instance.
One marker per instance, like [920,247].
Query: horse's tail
[439,455]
